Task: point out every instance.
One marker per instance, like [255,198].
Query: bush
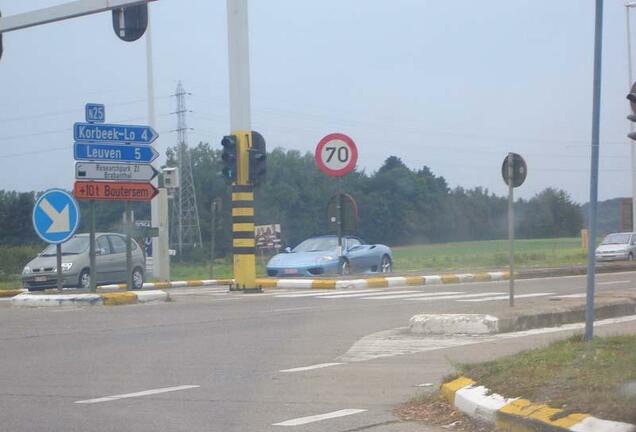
[13,260]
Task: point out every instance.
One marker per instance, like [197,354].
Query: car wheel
[630,257]
[85,279]
[386,266]
[138,279]
[345,267]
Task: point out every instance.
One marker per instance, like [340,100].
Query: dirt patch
[432,410]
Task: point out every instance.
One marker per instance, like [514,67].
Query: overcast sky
[451,85]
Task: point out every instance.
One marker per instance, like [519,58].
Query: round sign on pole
[519,170]
[55,216]
[336,155]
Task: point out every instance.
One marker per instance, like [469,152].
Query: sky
[452,85]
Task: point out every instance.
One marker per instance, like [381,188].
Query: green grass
[489,255]
[10,285]
[570,374]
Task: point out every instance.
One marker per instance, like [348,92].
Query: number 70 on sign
[336,155]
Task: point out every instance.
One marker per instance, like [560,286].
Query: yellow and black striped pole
[243,241]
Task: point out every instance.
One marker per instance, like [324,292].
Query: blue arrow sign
[55,216]
[96,132]
[115,152]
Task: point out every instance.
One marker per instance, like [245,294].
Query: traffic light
[631,97]
[229,157]
[130,23]
[258,159]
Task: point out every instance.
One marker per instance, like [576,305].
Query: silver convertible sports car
[318,256]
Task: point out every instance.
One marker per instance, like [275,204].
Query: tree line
[397,205]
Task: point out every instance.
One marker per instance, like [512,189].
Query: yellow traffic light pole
[243,241]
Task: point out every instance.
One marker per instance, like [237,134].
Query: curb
[484,324]
[516,414]
[106,299]
[175,284]
[383,282]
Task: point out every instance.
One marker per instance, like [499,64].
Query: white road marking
[425,385]
[399,341]
[312,367]
[138,394]
[290,309]
[505,297]
[366,294]
[614,282]
[428,297]
[388,296]
[571,296]
[319,417]
[319,294]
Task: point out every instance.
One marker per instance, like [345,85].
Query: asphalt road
[217,361]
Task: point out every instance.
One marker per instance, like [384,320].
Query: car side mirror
[287,249]
[100,251]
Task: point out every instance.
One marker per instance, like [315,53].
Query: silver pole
[630,78]
[511,229]
[239,59]
[596,122]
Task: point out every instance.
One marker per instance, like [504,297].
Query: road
[217,361]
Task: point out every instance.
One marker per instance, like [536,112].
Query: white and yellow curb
[104,299]
[520,415]
[382,282]
[174,284]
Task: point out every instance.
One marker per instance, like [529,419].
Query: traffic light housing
[631,97]
[258,159]
[229,157]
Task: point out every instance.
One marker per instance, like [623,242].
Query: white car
[617,246]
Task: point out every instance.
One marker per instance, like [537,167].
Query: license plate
[41,279]
[290,271]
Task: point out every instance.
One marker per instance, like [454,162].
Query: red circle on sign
[333,165]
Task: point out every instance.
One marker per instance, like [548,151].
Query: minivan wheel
[85,279]
[138,279]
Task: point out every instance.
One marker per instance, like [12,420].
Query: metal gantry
[187,229]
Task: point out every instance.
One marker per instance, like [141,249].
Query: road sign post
[55,219]
[336,156]
[514,171]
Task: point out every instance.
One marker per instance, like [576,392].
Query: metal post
[58,253]
[339,212]
[160,257]
[596,121]
[243,242]
[511,228]
[630,78]
[91,252]
[129,227]
[212,236]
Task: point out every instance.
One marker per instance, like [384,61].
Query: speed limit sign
[336,155]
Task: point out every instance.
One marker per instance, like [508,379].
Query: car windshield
[74,246]
[317,244]
[616,239]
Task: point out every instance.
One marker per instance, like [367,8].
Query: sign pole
[129,227]
[340,254]
[212,236]
[93,260]
[58,253]
[511,229]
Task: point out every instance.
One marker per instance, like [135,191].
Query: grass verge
[597,378]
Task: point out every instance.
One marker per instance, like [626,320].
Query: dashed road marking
[321,294]
[137,394]
[319,417]
[312,367]
[451,297]
[506,297]
[366,294]
[619,282]
[390,296]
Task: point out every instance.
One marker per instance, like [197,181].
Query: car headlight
[325,259]
[26,270]
[66,267]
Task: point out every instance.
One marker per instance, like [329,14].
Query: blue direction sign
[56,216]
[115,152]
[96,132]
